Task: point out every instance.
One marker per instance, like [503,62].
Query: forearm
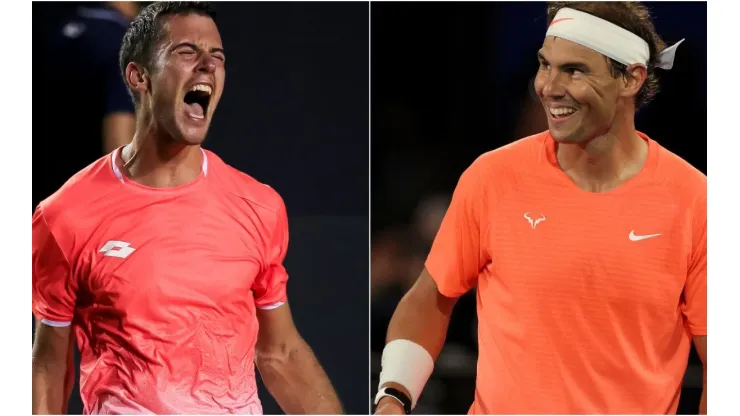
[422,321]
[48,393]
[422,316]
[294,377]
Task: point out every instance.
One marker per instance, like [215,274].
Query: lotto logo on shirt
[114,248]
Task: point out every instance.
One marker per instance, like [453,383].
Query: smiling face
[580,96]
[187,77]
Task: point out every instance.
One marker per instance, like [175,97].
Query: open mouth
[561,113]
[197,100]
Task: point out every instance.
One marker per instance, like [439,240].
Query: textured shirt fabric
[161,285]
[587,302]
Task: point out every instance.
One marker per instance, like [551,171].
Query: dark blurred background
[294,115]
[451,81]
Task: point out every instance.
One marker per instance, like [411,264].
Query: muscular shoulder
[239,184]
[680,178]
[73,204]
[503,168]
[515,154]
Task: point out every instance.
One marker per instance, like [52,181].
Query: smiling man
[586,243]
[164,263]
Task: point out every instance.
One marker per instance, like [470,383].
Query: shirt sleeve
[694,305]
[458,252]
[270,287]
[54,290]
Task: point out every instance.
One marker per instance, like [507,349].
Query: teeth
[201,87]
[561,111]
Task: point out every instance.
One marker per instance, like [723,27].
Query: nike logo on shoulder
[634,237]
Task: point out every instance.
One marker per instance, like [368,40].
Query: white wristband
[408,364]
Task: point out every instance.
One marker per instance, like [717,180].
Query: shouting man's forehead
[192,28]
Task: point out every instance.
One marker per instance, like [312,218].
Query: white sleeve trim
[55,324]
[273,306]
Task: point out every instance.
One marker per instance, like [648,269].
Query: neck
[155,159]
[607,160]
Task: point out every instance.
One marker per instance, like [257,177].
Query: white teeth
[561,111]
[201,87]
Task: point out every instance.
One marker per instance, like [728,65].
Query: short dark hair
[634,17]
[145,31]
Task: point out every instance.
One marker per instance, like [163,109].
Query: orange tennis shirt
[587,302]
[161,285]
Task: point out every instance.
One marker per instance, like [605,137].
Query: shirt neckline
[170,189]
[645,174]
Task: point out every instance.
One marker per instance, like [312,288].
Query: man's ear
[636,76]
[137,78]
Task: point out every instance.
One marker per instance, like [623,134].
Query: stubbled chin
[194,137]
[561,136]
[191,134]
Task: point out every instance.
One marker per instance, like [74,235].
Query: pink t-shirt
[161,285]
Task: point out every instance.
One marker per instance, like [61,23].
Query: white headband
[606,38]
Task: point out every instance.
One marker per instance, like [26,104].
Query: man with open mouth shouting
[164,263]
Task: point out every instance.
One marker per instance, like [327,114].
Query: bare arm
[289,368]
[118,130]
[52,369]
[422,316]
[700,342]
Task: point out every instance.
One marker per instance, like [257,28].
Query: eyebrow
[194,46]
[568,65]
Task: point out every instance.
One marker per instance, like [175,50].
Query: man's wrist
[390,401]
[388,405]
[398,396]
